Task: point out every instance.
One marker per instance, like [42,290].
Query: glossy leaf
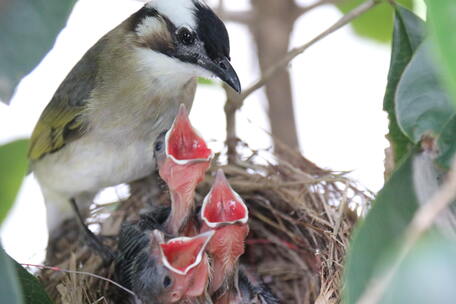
[408,34]
[422,105]
[376,24]
[380,231]
[28,31]
[427,274]
[33,291]
[10,289]
[376,240]
[13,167]
[447,144]
[443,24]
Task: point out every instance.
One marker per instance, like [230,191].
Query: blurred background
[328,103]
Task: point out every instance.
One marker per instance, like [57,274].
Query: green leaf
[443,24]
[422,105]
[10,289]
[377,23]
[447,144]
[426,275]
[409,32]
[391,212]
[13,167]
[17,285]
[29,29]
[205,81]
[33,291]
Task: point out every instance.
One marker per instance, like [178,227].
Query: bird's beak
[186,259]
[183,144]
[223,206]
[223,69]
[187,159]
[182,254]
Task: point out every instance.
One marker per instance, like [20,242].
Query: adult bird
[99,128]
[225,212]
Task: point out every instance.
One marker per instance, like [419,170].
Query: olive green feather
[63,119]
[57,126]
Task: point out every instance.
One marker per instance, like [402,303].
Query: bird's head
[184,38]
[187,262]
[182,159]
[224,212]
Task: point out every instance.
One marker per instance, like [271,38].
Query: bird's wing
[132,242]
[63,119]
[57,126]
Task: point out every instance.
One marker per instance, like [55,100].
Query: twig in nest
[424,217]
[85,273]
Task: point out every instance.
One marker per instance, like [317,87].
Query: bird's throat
[181,207]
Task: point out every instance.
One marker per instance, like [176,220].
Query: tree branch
[235,101]
[421,222]
[269,73]
[230,115]
[243,17]
[304,9]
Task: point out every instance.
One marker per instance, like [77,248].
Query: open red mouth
[223,206]
[183,143]
[182,254]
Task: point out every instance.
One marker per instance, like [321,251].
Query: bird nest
[301,219]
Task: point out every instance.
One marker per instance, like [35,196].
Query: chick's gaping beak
[223,206]
[183,143]
[223,69]
[186,259]
[182,254]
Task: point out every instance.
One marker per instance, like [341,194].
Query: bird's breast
[118,146]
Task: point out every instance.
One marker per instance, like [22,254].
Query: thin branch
[230,115]
[243,17]
[421,222]
[270,72]
[304,9]
[235,101]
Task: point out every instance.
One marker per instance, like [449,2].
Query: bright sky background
[338,87]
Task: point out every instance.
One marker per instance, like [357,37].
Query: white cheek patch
[149,25]
[171,72]
[180,12]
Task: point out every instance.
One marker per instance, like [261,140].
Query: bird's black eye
[185,36]
[158,145]
[166,282]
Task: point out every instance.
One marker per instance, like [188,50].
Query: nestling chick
[182,163]
[158,271]
[98,129]
[224,212]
